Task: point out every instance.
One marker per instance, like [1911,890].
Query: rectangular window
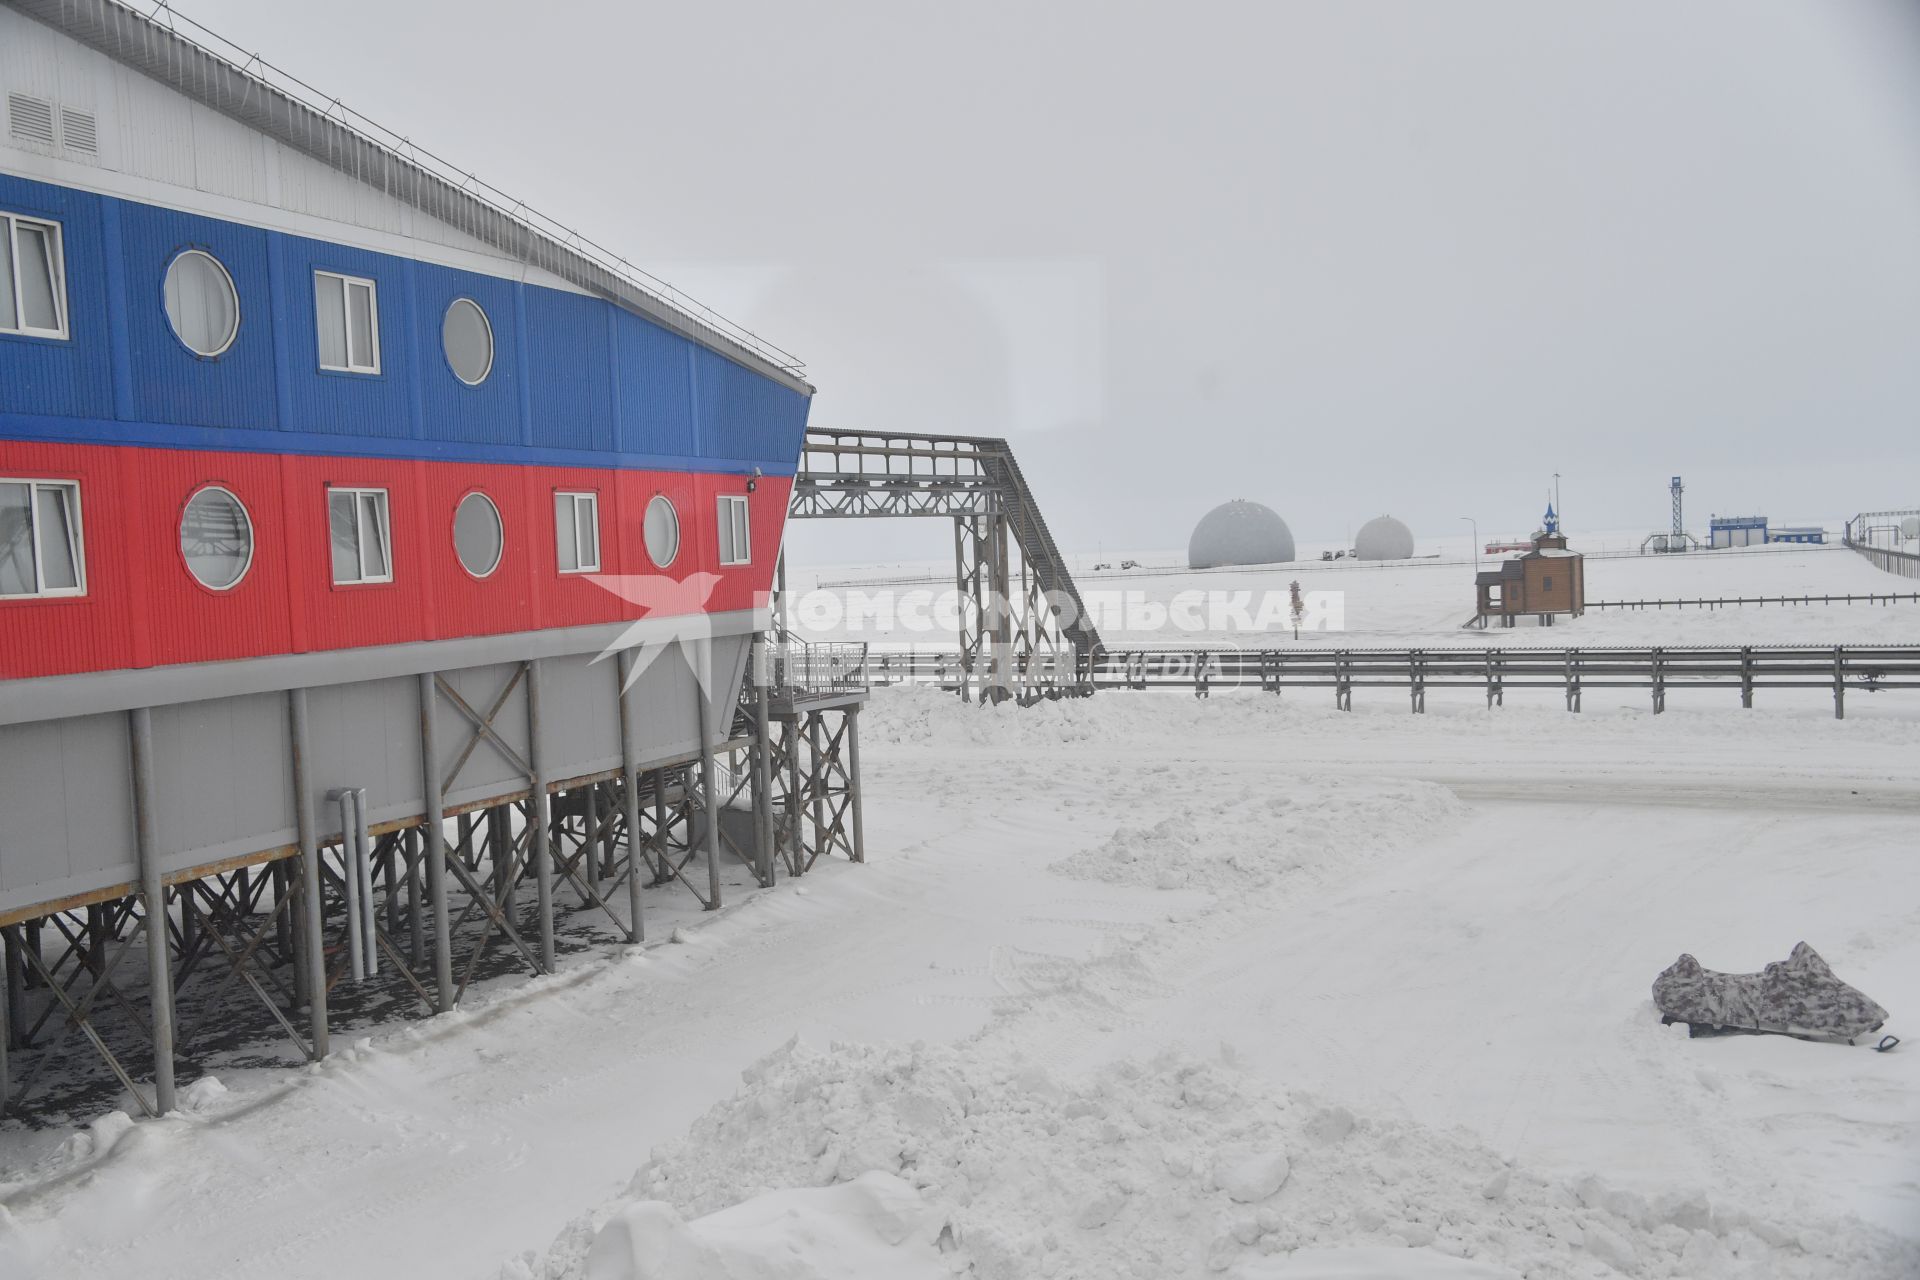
[576,530]
[33,285]
[362,545]
[735,547]
[41,549]
[347,315]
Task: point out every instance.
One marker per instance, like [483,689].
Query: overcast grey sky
[1339,258]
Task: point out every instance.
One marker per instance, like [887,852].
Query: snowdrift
[948,1160]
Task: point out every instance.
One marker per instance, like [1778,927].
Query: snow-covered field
[1416,602]
[1138,986]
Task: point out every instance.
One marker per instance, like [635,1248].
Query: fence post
[1839,683]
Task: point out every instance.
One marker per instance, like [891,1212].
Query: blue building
[1753,531]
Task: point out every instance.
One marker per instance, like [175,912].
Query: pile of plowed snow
[943,1161]
[1249,844]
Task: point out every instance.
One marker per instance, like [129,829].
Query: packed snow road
[1163,950]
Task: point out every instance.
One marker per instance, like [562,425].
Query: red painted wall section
[96,631]
[143,608]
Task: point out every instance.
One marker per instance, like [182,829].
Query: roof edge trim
[198,73]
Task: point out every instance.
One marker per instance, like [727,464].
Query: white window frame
[664,503]
[386,533]
[733,521]
[9,225]
[246,518]
[486,324]
[41,591]
[499,523]
[575,497]
[232,289]
[347,285]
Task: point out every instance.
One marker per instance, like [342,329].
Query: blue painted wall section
[38,375]
[451,410]
[575,380]
[345,404]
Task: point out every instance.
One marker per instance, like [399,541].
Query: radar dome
[1910,527]
[1239,532]
[1383,538]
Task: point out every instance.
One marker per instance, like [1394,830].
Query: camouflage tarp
[1798,996]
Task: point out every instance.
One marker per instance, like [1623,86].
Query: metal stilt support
[153,895]
[436,844]
[630,797]
[709,789]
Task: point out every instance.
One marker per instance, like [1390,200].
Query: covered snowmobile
[1798,996]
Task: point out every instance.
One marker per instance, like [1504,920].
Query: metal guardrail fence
[1881,537]
[1838,669]
[1724,602]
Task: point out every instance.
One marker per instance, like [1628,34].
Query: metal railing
[820,669]
[1881,537]
[1725,602]
[876,455]
[1838,669]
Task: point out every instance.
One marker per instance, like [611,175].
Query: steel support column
[436,807]
[312,966]
[854,785]
[762,764]
[6,1036]
[541,818]
[153,895]
[630,794]
[703,672]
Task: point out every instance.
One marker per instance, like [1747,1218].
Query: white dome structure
[1239,532]
[1383,538]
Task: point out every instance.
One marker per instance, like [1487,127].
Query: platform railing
[818,669]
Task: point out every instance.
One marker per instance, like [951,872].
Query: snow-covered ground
[1137,986]
[1412,602]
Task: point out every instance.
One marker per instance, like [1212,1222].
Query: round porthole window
[216,538]
[468,341]
[662,531]
[477,535]
[201,303]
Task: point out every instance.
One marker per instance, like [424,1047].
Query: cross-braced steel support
[814,764]
[376,911]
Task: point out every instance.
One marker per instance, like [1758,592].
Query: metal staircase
[1025,632]
[1037,546]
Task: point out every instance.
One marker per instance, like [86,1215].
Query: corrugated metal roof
[198,73]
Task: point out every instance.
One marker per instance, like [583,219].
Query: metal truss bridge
[1024,630]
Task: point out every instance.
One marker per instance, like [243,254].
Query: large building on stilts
[325,478]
